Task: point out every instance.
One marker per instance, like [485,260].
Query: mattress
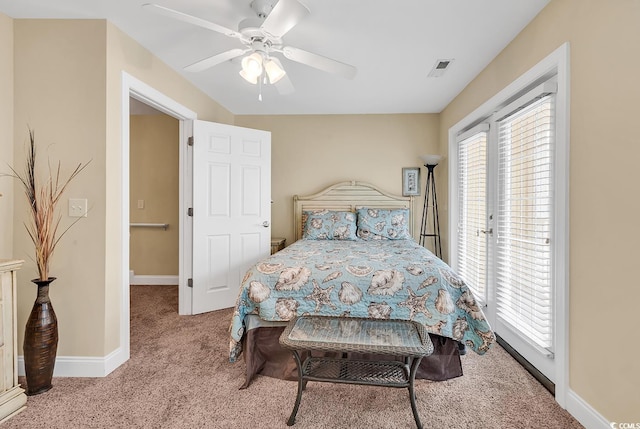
[383,279]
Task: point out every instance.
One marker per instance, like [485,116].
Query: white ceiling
[393,44]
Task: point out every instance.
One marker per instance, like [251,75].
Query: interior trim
[548,384]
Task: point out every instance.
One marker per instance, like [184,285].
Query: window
[472,203]
[524,295]
[526,205]
[505,211]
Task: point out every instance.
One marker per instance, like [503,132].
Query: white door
[470,258]
[505,214]
[231,210]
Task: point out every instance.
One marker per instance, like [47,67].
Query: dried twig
[43,200]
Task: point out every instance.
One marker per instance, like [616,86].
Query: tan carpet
[179,377]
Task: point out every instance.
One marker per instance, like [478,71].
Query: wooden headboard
[348,196]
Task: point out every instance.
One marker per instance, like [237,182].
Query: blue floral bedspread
[381,279]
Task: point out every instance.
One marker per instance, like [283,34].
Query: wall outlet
[77,207]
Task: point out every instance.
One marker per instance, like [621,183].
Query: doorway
[482,146]
[246,155]
[154,196]
[140,91]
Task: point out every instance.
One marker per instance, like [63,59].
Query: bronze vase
[40,341]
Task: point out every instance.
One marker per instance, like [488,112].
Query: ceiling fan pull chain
[260,86]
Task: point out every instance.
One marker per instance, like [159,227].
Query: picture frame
[410,181]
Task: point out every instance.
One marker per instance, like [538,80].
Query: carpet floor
[179,376]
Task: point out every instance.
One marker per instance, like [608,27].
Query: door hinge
[190,141]
[189,282]
[190,211]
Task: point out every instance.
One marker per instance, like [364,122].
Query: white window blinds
[524,221]
[472,217]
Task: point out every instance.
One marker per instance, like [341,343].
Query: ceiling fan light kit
[249,78]
[255,65]
[252,66]
[274,71]
[262,36]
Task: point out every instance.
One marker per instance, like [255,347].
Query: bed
[354,256]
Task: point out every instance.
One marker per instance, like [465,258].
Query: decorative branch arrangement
[43,199]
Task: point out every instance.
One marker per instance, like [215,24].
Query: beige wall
[604,179]
[124,54]
[311,152]
[6,136]
[153,178]
[60,93]
[67,87]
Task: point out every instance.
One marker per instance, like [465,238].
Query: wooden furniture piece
[277,244]
[401,338]
[12,396]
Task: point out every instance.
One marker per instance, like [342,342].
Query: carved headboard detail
[348,196]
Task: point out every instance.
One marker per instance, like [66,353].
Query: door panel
[219,198]
[231,205]
[473,227]
[218,272]
[251,198]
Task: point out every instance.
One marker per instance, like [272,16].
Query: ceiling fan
[261,37]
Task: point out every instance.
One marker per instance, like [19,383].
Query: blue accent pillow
[383,224]
[329,225]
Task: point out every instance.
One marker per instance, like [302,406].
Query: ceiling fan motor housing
[261,46]
[259,40]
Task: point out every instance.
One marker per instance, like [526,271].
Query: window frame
[555,64]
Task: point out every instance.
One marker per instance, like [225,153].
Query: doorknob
[265,224]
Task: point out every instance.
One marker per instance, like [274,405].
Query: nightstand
[277,244]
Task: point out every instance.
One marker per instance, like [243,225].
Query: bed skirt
[264,355]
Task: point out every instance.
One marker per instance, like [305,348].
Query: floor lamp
[430,208]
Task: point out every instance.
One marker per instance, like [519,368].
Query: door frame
[135,88]
[557,63]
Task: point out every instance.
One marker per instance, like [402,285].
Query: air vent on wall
[440,67]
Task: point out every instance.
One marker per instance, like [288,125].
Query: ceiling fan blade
[284,85]
[214,60]
[284,16]
[320,62]
[192,20]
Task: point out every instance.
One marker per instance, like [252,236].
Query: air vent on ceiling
[440,67]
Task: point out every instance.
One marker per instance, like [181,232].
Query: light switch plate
[77,207]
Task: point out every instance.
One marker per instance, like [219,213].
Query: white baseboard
[84,366]
[152,280]
[584,413]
